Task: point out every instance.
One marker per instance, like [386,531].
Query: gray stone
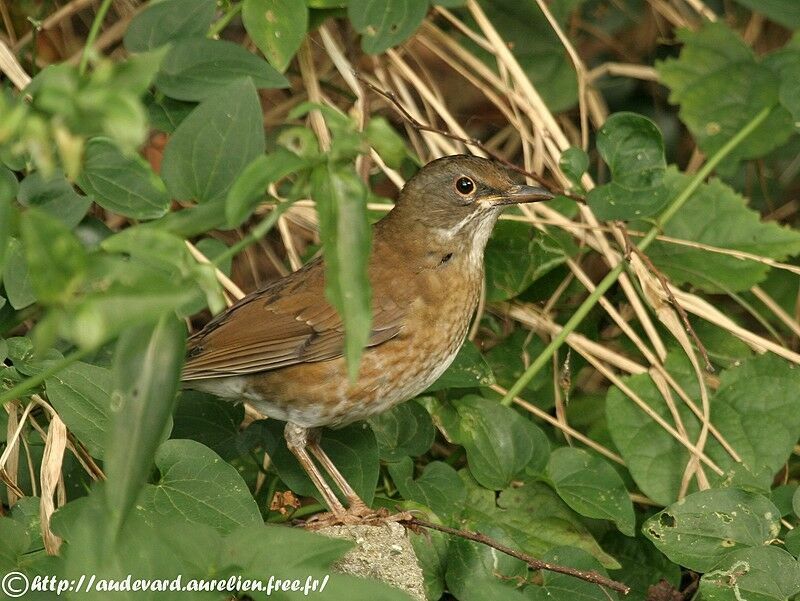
[382,552]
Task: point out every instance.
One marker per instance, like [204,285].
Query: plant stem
[614,274]
[259,231]
[35,380]
[95,29]
[217,27]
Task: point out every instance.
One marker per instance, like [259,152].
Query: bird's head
[460,197]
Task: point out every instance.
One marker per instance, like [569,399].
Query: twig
[416,124]
[662,279]
[536,564]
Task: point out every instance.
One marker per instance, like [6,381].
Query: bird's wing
[286,323]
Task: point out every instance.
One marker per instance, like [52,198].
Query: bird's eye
[464,185]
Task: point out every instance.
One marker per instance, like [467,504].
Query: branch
[536,564]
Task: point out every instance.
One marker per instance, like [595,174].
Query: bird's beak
[521,194]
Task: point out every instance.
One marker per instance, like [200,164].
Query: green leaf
[55,258]
[147,367]
[735,227]
[632,147]
[785,12]
[591,487]
[196,68]
[14,541]
[126,185]
[196,485]
[353,449]
[277,27]
[762,432]
[406,429]
[166,113]
[468,370]
[561,587]
[249,188]
[55,196]
[80,394]
[515,257]
[539,521]
[385,23]
[642,564]
[758,574]
[8,191]
[439,487]
[702,528]
[214,144]
[386,142]
[573,163]
[346,237]
[210,421]
[168,21]
[499,442]
[720,88]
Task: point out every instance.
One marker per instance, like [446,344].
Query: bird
[281,348]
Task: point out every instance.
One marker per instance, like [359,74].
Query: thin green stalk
[614,274]
[32,382]
[258,232]
[217,27]
[93,31]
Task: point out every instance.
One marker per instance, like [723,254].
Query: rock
[382,552]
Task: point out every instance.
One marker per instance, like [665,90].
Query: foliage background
[168,155]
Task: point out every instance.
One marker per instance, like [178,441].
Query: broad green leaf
[168,21]
[632,147]
[720,87]
[561,587]
[757,574]
[642,564]
[166,113]
[792,541]
[717,216]
[499,442]
[591,487]
[702,528]
[430,547]
[277,27]
[406,429]
[147,367]
[55,258]
[210,421]
[438,487]
[196,68]
[785,12]
[8,191]
[250,187]
[515,257]
[196,485]
[383,137]
[476,572]
[539,520]
[537,48]
[126,185]
[55,196]
[81,395]
[346,237]
[385,23]
[214,143]
[508,361]
[468,370]
[14,541]
[573,163]
[762,432]
[352,449]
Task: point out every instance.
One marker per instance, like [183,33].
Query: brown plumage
[281,347]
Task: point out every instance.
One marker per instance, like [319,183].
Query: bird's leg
[297,439]
[356,505]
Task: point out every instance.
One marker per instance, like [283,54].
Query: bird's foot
[356,514]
